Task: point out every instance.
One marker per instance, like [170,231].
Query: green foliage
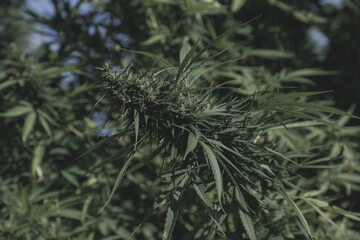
[212,136]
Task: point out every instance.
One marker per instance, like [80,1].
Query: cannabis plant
[216,147]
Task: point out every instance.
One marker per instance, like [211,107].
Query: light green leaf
[306,72]
[16,111]
[236,5]
[153,39]
[215,169]
[184,51]
[28,125]
[191,144]
[269,53]
[248,225]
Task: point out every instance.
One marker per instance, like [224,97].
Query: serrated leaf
[118,180]
[248,225]
[200,191]
[16,111]
[39,152]
[173,209]
[215,169]
[191,144]
[28,125]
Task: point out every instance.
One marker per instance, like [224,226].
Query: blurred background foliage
[51,113]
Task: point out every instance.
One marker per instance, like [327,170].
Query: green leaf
[157,58]
[296,208]
[317,107]
[313,204]
[306,72]
[200,191]
[118,180]
[153,39]
[287,96]
[16,111]
[212,43]
[85,208]
[48,118]
[269,53]
[45,125]
[136,123]
[7,84]
[248,225]
[173,209]
[185,62]
[282,156]
[57,71]
[191,144]
[184,51]
[71,178]
[39,152]
[97,145]
[28,125]
[215,169]
[25,201]
[352,215]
